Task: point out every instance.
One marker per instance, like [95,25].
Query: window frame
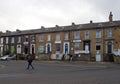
[109,32]
[98,33]
[86,34]
[76,35]
[58,37]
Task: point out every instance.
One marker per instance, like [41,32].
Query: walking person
[30,60]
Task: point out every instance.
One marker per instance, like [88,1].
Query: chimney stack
[111,17]
[91,21]
[42,27]
[57,26]
[73,24]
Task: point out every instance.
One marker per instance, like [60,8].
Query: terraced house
[91,41]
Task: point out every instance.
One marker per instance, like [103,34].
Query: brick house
[91,41]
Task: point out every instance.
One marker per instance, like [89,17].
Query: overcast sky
[32,14]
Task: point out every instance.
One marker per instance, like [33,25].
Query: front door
[18,49]
[86,46]
[109,47]
[48,48]
[33,50]
[109,51]
[66,48]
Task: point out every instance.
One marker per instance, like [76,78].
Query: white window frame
[66,36]
[33,38]
[86,34]
[1,40]
[57,37]
[49,37]
[6,40]
[12,39]
[76,34]
[41,38]
[26,38]
[19,39]
[109,32]
[98,33]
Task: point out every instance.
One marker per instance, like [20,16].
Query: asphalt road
[14,72]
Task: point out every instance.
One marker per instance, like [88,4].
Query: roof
[63,28]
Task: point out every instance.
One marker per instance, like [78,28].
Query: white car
[4,57]
[7,57]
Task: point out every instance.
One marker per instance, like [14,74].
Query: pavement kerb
[76,62]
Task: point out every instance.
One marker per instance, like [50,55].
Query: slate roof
[64,28]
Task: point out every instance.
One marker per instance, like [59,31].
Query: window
[41,49]
[6,40]
[12,40]
[26,38]
[49,37]
[66,36]
[33,39]
[86,34]
[57,37]
[19,39]
[76,46]
[98,46]
[41,38]
[109,33]
[1,40]
[76,35]
[98,33]
[57,47]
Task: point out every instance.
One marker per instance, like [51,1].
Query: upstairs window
[19,39]
[33,39]
[57,37]
[86,34]
[41,38]
[1,40]
[76,35]
[12,40]
[66,36]
[6,40]
[49,37]
[98,33]
[26,38]
[109,33]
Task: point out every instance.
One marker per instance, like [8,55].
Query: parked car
[4,57]
[7,57]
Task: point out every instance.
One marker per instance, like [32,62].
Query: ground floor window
[57,47]
[41,49]
[76,46]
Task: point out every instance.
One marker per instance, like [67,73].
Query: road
[15,72]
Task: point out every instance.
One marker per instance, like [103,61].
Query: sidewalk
[76,62]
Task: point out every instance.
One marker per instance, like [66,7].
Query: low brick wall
[82,57]
[117,59]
